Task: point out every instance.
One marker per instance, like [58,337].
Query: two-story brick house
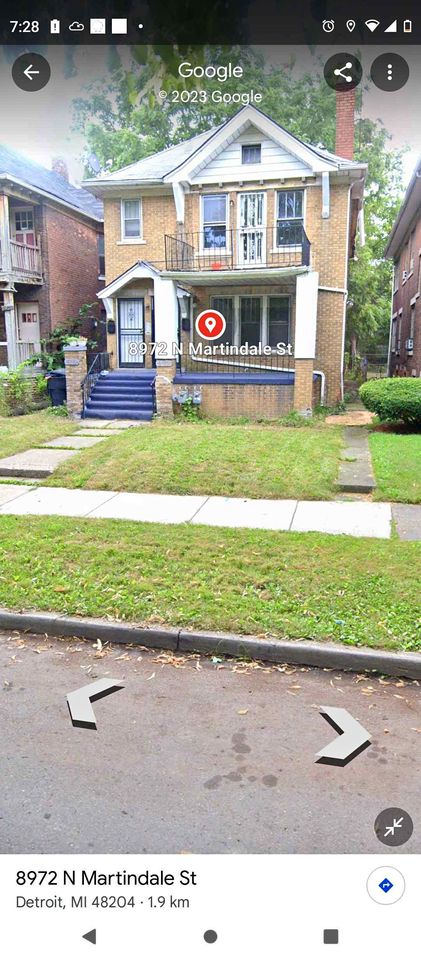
[51,253]
[250,221]
[404,246]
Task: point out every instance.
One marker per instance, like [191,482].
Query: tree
[138,112]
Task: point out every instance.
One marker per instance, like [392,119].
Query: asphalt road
[196,756]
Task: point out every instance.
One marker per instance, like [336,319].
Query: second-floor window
[131,219]
[289,217]
[214,220]
[24,226]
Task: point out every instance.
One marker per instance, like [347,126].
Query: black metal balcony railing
[283,246]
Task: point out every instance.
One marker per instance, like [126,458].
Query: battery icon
[55,26]
[407,26]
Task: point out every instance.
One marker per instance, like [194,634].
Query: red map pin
[210,324]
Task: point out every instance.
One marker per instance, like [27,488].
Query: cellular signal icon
[393,27]
[372,24]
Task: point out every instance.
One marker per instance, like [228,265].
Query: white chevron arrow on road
[80,701]
[353,738]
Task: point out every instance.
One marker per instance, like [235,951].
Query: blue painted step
[123,396]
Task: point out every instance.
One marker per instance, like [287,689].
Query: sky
[39,124]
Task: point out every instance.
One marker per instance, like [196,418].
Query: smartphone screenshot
[210,480]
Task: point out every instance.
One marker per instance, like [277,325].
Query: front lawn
[397,466]
[31,430]
[250,460]
[311,586]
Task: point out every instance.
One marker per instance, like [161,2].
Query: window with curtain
[131,219]
[214,219]
[290,217]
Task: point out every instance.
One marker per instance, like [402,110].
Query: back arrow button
[31,72]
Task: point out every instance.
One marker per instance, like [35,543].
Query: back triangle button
[91,936]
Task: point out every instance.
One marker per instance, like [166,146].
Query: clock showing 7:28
[24,26]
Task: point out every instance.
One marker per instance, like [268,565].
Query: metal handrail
[100,362]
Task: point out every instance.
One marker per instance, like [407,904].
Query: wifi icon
[372,24]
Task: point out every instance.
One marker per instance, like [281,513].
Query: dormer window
[251,153]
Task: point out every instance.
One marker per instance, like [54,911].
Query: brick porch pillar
[165,373]
[76,370]
[303,387]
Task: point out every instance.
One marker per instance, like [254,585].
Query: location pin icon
[351,25]
[210,324]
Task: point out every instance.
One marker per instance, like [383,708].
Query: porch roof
[270,276]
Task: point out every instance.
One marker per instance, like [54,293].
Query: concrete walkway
[354,518]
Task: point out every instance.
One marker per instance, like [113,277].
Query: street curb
[300,652]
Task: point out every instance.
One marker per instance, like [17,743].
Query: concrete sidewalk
[354,518]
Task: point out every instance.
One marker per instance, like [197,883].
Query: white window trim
[123,238]
[22,208]
[292,246]
[203,251]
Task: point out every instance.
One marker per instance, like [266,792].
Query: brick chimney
[59,165]
[345,124]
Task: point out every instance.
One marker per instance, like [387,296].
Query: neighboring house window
[131,219]
[396,277]
[278,320]
[24,226]
[411,252]
[225,305]
[251,153]
[412,324]
[214,219]
[290,217]
[101,255]
[398,335]
[393,337]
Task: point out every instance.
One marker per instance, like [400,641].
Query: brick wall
[158,219]
[72,264]
[254,401]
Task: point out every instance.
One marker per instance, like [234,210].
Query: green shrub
[392,399]
[20,394]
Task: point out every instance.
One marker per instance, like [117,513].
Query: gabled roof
[15,167]
[410,209]
[179,162]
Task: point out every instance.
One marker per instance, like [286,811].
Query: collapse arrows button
[353,738]
[80,701]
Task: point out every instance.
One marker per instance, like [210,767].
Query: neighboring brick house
[51,253]
[404,246]
[248,220]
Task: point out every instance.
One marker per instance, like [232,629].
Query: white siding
[226,167]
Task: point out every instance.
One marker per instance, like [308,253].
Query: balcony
[21,262]
[284,247]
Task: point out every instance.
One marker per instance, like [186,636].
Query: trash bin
[56,386]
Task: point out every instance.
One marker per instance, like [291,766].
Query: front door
[131,329]
[28,339]
[251,234]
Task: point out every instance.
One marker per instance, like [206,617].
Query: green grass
[397,466]
[358,591]
[31,430]
[211,458]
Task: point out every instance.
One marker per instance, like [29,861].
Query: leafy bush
[394,398]
[21,394]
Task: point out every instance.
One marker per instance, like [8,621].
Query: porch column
[166,334]
[76,370]
[10,324]
[307,287]
[5,235]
